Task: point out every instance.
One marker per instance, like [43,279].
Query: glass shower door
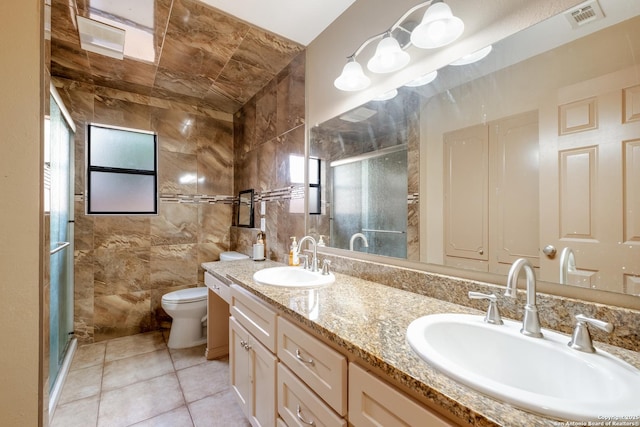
[60,204]
[369,196]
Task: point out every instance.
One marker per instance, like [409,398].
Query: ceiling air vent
[101,38]
[358,115]
[583,14]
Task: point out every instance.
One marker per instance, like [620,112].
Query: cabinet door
[263,365]
[466,194]
[514,199]
[374,403]
[253,376]
[239,365]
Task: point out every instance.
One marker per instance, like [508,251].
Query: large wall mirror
[533,152]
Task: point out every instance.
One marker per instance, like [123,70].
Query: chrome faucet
[567,264]
[531,321]
[314,262]
[365,243]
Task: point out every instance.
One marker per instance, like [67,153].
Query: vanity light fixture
[423,80]
[389,56]
[474,57]
[352,77]
[438,28]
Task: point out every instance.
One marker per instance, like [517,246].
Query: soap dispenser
[321,241]
[293,252]
[258,248]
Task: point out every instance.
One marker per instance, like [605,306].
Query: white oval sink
[294,277]
[542,375]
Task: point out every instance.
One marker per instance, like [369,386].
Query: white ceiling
[298,20]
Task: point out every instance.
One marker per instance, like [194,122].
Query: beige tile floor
[138,381]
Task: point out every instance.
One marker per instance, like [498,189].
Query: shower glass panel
[370,197]
[59,162]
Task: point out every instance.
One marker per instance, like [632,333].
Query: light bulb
[352,77]
[389,56]
[438,27]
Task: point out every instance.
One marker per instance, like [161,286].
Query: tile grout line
[175,371]
[104,361]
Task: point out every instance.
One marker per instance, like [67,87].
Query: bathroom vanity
[337,355]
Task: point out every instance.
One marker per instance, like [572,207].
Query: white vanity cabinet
[374,403]
[285,376]
[252,363]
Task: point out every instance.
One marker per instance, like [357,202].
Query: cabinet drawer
[323,369]
[254,315]
[299,407]
[217,286]
[374,403]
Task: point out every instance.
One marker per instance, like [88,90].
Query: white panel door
[590,186]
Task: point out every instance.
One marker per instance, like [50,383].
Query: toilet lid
[186,295]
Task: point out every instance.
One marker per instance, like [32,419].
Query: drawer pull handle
[301,418]
[302,359]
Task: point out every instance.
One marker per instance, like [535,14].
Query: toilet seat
[186,295]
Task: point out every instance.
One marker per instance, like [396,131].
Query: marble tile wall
[199,55]
[268,129]
[124,264]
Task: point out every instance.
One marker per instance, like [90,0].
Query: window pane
[314,171]
[118,148]
[117,192]
[314,200]
[296,169]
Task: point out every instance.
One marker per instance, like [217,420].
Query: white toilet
[188,309]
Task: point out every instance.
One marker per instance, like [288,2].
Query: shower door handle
[371,230]
[61,246]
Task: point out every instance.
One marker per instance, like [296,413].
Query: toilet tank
[232,256]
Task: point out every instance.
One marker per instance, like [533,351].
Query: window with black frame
[122,172]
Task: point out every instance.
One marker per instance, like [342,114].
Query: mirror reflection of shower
[567,264]
[370,202]
[365,242]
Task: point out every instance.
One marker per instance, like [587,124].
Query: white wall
[20,210]
[326,55]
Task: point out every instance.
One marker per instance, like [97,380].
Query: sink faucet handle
[326,263]
[493,315]
[581,338]
[305,261]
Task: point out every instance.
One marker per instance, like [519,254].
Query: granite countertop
[369,321]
